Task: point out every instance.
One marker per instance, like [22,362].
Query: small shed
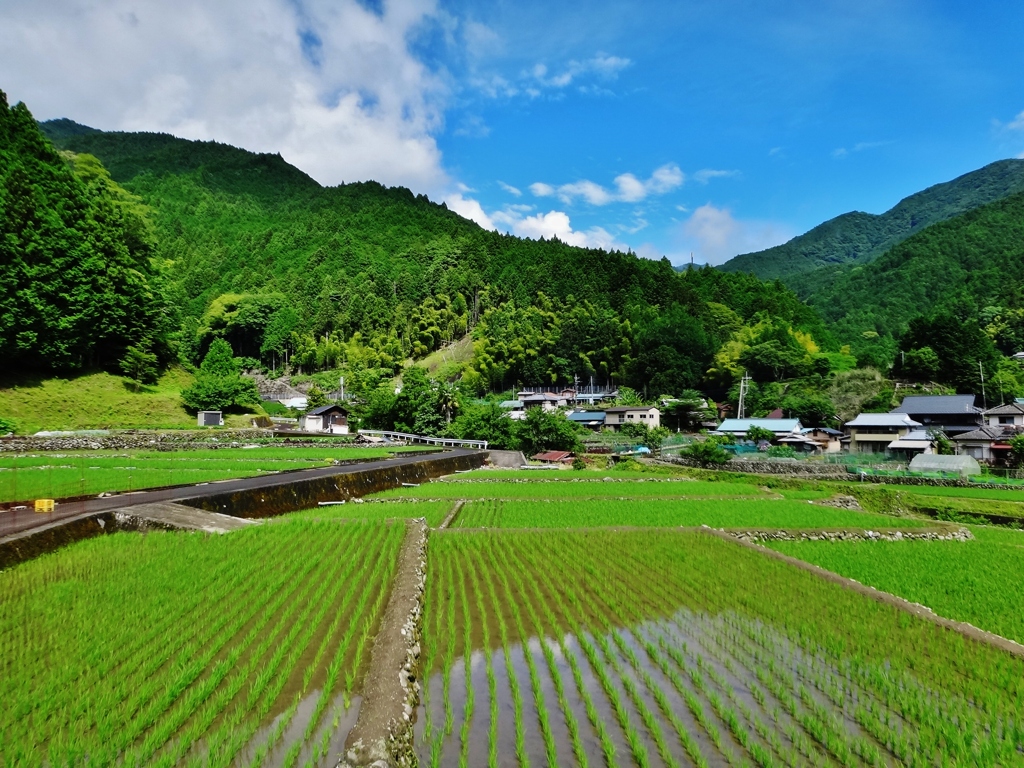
[332,419]
[210,419]
[554,457]
[932,462]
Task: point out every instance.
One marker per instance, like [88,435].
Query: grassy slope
[100,401]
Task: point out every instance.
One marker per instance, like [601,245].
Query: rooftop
[625,408]
[778,426]
[883,420]
[327,409]
[1010,409]
[937,404]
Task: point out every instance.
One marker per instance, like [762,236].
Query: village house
[953,414]
[781,428]
[647,415]
[991,442]
[331,419]
[873,432]
[590,419]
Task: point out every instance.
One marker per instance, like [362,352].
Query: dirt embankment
[382,735]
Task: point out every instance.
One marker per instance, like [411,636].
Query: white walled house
[873,432]
[632,414]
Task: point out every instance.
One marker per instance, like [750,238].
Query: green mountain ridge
[859,238]
[362,277]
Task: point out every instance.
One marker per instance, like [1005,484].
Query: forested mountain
[970,267]
[361,277]
[76,283]
[858,238]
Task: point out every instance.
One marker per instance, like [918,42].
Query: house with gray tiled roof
[953,414]
[991,442]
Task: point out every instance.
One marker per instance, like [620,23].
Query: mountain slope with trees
[362,277]
[858,238]
[78,287]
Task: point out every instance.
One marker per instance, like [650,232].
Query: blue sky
[668,128]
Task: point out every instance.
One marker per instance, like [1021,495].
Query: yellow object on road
[44,505]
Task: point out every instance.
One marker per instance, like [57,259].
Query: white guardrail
[447,442]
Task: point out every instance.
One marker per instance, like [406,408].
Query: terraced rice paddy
[58,476]
[671,648]
[716,513]
[567,620]
[187,649]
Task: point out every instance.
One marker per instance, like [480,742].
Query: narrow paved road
[12,522]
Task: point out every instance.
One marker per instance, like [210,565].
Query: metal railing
[447,442]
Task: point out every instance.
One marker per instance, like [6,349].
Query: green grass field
[81,473]
[101,401]
[539,488]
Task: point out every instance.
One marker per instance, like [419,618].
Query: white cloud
[1017,124]
[715,236]
[704,175]
[331,85]
[605,67]
[510,189]
[860,146]
[468,208]
[628,188]
[556,224]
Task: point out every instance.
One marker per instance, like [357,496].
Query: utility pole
[341,390]
[984,400]
[743,394]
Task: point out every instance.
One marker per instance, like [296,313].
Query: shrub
[707,453]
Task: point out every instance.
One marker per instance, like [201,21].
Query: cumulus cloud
[330,84]
[627,187]
[715,235]
[469,208]
[555,224]
[510,189]
[1017,124]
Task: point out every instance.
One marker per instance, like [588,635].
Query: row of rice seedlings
[513,682]
[187,694]
[940,721]
[362,620]
[646,715]
[492,683]
[814,718]
[570,720]
[938,735]
[696,673]
[60,689]
[822,726]
[119,725]
[623,601]
[538,694]
[203,699]
[467,654]
[596,721]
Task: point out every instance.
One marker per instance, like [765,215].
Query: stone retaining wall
[829,472]
[960,534]
[124,441]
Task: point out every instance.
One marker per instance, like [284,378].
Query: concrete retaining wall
[251,503]
[305,494]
